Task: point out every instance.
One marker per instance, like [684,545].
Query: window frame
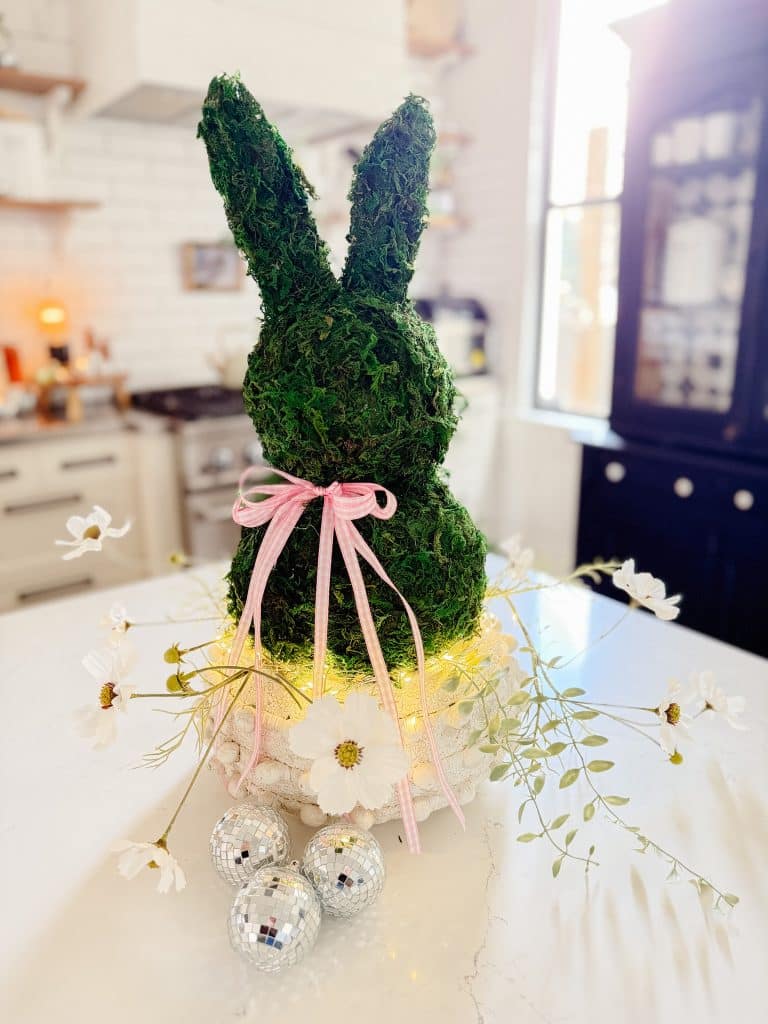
[536,408]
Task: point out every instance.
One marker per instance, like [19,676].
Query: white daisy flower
[98,723]
[356,753]
[647,590]
[89,532]
[708,696]
[673,724]
[134,857]
[117,622]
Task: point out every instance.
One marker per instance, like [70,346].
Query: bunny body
[347,383]
[350,384]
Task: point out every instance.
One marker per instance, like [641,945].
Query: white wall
[491,96]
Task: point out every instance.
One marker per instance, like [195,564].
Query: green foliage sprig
[542,736]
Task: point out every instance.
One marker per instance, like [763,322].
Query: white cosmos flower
[647,590]
[98,722]
[707,696]
[673,724]
[134,857]
[118,623]
[355,750]
[519,559]
[89,532]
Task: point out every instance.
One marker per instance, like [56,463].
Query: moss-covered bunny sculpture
[346,382]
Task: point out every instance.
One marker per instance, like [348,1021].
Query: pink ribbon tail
[275,539]
[363,549]
[282,507]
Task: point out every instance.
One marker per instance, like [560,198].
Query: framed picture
[211,267]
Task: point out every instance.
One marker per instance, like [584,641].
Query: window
[581,218]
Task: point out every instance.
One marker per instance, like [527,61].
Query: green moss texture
[346,382]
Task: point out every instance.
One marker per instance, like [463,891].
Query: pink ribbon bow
[282,507]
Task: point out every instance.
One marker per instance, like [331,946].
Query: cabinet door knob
[615,472]
[683,487]
[743,500]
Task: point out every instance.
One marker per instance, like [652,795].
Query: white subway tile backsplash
[117,268]
[121,265]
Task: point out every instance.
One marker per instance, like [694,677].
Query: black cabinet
[691,332]
[698,521]
[681,482]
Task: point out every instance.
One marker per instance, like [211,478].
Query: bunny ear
[265,197]
[389,203]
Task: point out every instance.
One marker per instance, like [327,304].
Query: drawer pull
[44,503]
[54,589]
[683,487]
[93,460]
[8,474]
[615,472]
[744,500]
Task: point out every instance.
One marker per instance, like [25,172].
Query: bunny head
[346,382]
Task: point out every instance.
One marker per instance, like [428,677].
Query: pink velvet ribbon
[281,506]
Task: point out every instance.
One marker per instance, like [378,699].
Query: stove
[215,442]
[208,401]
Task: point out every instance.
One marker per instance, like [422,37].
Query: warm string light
[469,658]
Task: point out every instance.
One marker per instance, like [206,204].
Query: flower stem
[203,758]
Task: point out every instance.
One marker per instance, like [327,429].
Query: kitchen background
[116,276]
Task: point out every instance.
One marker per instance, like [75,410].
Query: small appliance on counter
[215,442]
[461,325]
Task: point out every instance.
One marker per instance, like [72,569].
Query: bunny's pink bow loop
[281,506]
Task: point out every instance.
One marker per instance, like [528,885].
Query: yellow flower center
[93,532]
[161,845]
[349,754]
[107,695]
[673,713]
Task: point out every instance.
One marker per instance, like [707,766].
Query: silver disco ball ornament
[275,918]
[346,866]
[247,838]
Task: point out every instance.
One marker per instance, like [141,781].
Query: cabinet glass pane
[698,224]
[579,309]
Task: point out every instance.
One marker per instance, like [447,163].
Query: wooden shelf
[47,205]
[72,385]
[37,84]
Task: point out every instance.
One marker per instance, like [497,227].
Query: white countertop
[475,929]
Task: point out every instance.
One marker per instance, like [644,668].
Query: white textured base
[281,779]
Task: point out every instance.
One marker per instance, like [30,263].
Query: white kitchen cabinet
[42,483]
[158,504]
